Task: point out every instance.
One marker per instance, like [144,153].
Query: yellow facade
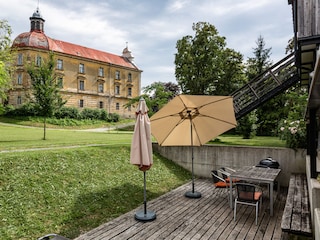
[85,82]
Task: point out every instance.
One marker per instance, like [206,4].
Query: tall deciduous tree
[156,95]
[6,60]
[45,89]
[203,63]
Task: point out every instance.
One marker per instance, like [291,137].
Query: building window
[20,59]
[81,68]
[130,91]
[100,104]
[38,61]
[100,87]
[19,100]
[81,103]
[81,85]
[117,90]
[129,77]
[59,64]
[19,79]
[129,108]
[101,72]
[60,82]
[117,75]
[117,106]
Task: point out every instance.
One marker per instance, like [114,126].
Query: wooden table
[258,175]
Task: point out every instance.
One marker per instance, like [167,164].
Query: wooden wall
[308,18]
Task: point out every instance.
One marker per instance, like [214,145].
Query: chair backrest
[224,173]
[215,176]
[246,192]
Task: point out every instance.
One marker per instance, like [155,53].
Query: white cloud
[153,27]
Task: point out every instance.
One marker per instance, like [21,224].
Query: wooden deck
[208,217]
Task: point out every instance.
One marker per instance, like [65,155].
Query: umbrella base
[145,217]
[191,194]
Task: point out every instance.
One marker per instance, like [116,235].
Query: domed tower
[36,36]
[37,22]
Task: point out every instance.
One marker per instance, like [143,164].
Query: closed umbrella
[141,153]
[193,120]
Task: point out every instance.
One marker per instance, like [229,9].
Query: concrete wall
[209,157]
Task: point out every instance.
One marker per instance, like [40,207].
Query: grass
[19,137]
[262,141]
[72,190]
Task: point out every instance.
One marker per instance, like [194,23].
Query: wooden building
[89,78]
[306,26]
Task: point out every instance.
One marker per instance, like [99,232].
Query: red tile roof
[40,40]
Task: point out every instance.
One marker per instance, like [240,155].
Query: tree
[6,60]
[204,65]
[261,60]
[45,89]
[157,95]
[266,115]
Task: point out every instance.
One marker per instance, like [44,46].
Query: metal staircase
[270,83]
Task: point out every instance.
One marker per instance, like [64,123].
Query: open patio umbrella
[141,153]
[193,120]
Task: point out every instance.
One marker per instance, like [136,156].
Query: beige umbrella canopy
[141,153]
[193,120]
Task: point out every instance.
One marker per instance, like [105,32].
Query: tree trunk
[44,128]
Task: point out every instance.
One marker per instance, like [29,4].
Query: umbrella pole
[192,194]
[144,192]
[145,216]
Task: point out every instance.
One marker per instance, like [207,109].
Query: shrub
[68,112]
[294,133]
[113,117]
[89,113]
[25,110]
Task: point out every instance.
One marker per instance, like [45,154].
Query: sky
[151,28]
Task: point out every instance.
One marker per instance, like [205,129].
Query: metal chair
[226,172]
[249,195]
[218,179]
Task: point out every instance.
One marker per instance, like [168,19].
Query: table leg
[271,198]
[231,197]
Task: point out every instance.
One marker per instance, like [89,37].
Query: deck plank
[209,217]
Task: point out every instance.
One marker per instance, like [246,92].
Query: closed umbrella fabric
[141,146]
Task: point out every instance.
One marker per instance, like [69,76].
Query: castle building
[88,78]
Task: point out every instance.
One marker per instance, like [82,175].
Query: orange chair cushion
[257,195]
[222,184]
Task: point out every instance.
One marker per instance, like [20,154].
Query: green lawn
[19,137]
[72,190]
